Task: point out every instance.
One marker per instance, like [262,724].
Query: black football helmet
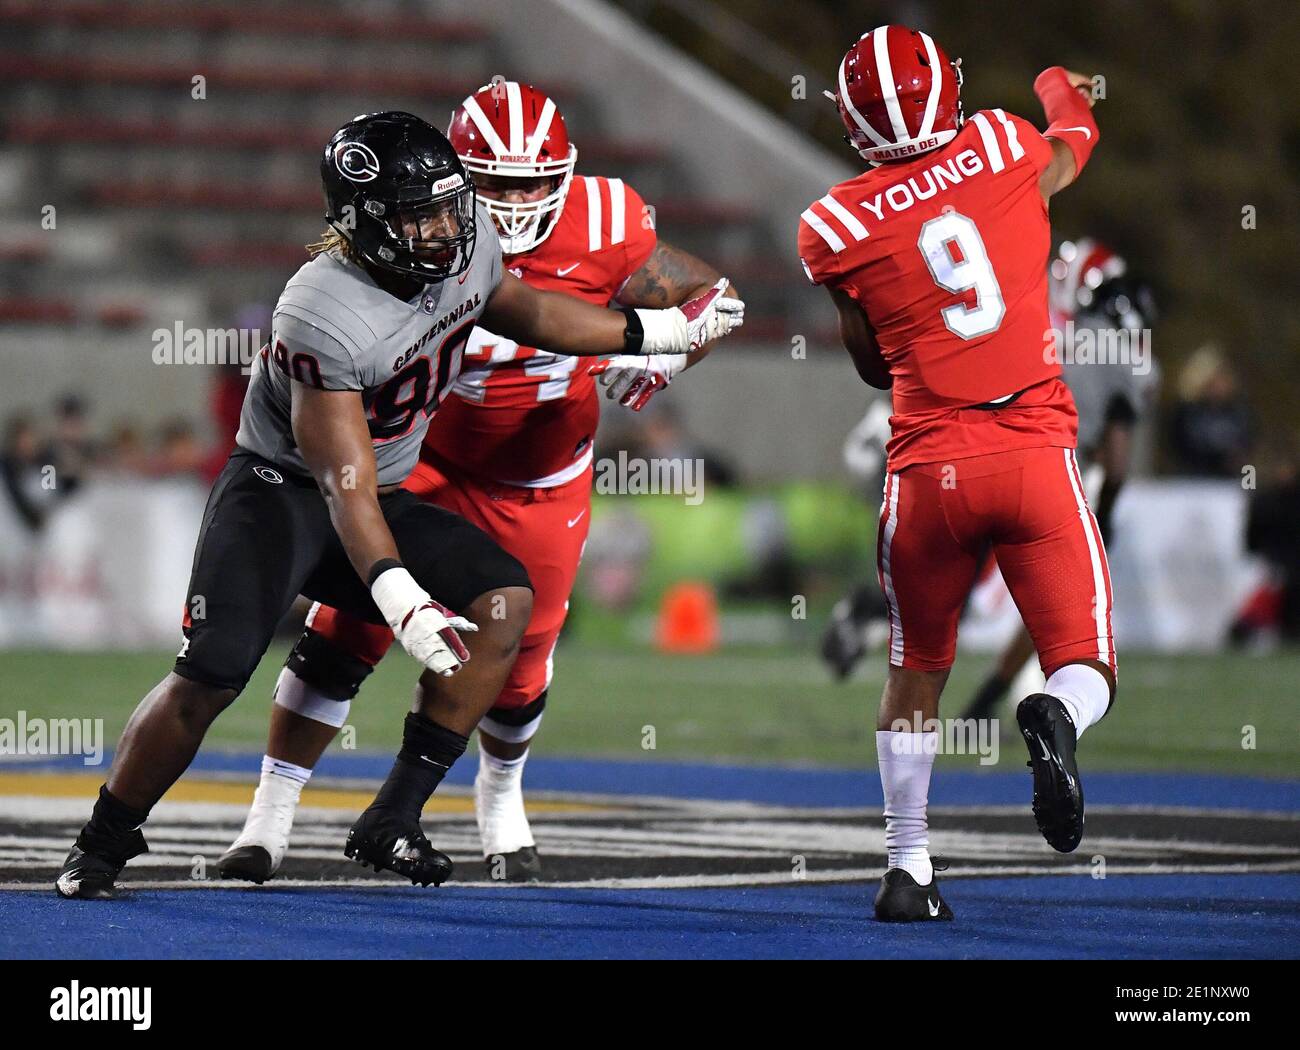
[1089,279]
[1125,302]
[395,189]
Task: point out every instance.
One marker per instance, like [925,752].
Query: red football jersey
[947,255]
[524,416]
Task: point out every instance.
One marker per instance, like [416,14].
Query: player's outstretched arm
[860,341]
[562,324]
[1067,103]
[330,429]
[670,277]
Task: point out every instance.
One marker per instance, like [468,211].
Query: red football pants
[937,522]
[545,529]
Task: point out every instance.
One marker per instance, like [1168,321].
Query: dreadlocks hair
[334,243]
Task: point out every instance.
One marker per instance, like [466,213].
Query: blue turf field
[1076,917]
[1184,915]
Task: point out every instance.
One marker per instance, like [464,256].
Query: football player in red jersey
[936,259]
[510,450]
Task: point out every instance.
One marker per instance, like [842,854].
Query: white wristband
[396,593]
[666,331]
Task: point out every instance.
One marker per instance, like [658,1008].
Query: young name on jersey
[838,226]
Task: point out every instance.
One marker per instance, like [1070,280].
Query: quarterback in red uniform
[510,449]
[936,259]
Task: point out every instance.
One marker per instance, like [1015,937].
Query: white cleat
[256,854]
[508,846]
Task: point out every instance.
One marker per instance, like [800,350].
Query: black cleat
[901,899]
[1058,792]
[523,865]
[388,844]
[93,876]
[249,863]
[853,627]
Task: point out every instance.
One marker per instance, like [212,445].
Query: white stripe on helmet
[937,74]
[543,127]
[485,127]
[858,118]
[515,111]
[885,73]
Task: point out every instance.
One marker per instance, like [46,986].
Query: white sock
[1083,692]
[905,761]
[280,768]
[270,818]
[499,804]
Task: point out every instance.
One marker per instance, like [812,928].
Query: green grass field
[752,705]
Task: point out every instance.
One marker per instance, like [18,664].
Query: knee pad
[514,725]
[327,668]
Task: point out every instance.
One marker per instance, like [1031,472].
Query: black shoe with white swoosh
[388,843]
[1058,793]
[92,876]
[901,899]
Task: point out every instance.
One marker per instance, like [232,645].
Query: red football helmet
[1079,269]
[899,95]
[512,130]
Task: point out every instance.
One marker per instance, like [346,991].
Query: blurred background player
[510,450]
[859,622]
[936,261]
[1106,316]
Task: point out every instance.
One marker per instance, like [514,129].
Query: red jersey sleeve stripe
[617,211]
[818,226]
[850,221]
[990,140]
[1013,138]
[594,214]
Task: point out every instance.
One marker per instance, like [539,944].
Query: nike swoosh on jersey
[1086,131]
[575,521]
[566,272]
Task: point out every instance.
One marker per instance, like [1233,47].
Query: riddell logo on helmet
[449,183]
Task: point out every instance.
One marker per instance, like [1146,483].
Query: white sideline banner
[108,570]
[1178,565]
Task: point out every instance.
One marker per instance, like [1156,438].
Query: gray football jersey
[1119,378]
[335,329]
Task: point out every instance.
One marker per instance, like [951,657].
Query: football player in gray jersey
[366,340]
